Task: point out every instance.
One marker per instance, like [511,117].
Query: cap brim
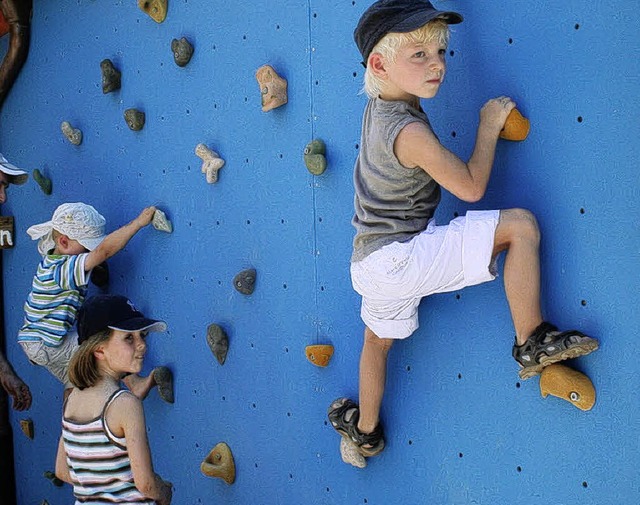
[16,175]
[140,324]
[91,243]
[422,17]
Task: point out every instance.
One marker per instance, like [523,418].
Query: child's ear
[62,241]
[99,352]
[376,65]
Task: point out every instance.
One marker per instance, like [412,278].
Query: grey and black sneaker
[547,345]
[344,414]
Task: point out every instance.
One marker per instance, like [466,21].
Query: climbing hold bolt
[156,9]
[219,463]
[319,355]
[516,126]
[314,157]
[44,182]
[134,119]
[110,76]
[218,342]
[160,222]
[568,384]
[74,135]
[182,51]
[273,88]
[245,281]
[211,162]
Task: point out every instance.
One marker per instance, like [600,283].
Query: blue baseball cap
[113,312]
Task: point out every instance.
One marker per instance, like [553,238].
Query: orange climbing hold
[568,384]
[219,463]
[516,127]
[319,355]
[26,425]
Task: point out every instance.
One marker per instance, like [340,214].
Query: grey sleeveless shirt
[392,203]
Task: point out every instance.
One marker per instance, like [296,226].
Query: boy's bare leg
[518,234]
[373,374]
[138,385]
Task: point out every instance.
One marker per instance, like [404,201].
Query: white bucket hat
[16,176]
[78,221]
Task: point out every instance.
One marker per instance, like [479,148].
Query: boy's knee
[519,224]
[382,344]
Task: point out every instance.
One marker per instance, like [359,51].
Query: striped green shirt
[57,292]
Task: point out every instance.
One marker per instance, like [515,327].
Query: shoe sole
[573,352]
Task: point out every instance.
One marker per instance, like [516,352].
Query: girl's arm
[62,469]
[125,417]
[417,146]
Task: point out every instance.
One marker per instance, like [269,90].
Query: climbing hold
[134,119]
[74,135]
[245,281]
[568,384]
[100,275]
[314,157]
[516,126]
[156,9]
[164,381]
[350,454]
[218,342]
[319,355]
[211,162]
[182,51]
[273,88]
[160,222]
[26,425]
[49,475]
[110,76]
[44,182]
[219,463]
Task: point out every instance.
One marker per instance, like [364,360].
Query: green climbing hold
[43,181]
[314,157]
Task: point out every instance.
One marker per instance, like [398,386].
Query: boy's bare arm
[115,241]
[417,146]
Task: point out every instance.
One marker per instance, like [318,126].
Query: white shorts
[54,359]
[393,279]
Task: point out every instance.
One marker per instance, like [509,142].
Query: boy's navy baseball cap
[399,16]
[114,312]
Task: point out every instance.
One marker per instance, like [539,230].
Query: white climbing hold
[350,454]
[160,222]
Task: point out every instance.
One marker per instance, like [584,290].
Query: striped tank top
[99,462]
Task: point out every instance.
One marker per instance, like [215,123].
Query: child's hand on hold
[146,216]
[494,113]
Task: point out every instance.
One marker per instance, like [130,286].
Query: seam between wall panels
[314,229]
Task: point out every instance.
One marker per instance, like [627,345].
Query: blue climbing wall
[461,427]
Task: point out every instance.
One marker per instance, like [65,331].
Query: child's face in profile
[418,71]
[125,350]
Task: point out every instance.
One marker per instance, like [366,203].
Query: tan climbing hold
[350,454]
[156,9]
[319,355]
[568,384]
[74,135]
[26,425]
[211,162]
[273,88]
[219,463]
[516,127]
